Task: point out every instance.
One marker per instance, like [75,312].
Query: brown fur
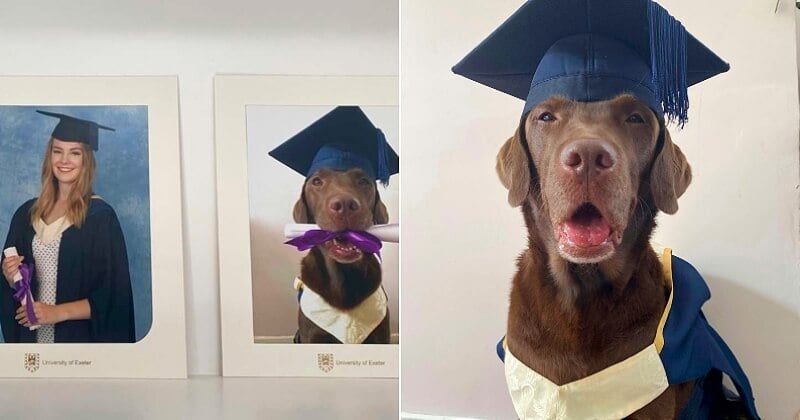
[343,284]
[568,319]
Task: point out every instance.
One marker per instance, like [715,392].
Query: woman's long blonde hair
[78,200]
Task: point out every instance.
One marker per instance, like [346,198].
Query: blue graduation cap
[593,50]
[75,129]
[342,139]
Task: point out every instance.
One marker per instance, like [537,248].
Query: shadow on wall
[274,297]
[758,338]
[797,46]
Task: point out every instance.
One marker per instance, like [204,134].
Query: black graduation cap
[342,139]
[75,129]
[592,50]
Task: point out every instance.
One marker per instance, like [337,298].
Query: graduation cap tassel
[383,159]
[668,58]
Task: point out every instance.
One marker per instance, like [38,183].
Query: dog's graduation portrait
[342,155]
[602,323]
[325,167]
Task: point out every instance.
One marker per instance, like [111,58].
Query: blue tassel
[382,171]
[668,61]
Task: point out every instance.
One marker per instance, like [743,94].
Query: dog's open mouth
[343,251]
[587,236]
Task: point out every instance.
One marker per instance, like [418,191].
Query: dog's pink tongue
[586,233]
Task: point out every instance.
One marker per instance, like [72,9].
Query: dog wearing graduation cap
[341,155]
[602,324]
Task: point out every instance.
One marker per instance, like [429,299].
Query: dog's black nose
[588,155]
[342,205]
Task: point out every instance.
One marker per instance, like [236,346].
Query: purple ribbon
[364,241]
[23,292]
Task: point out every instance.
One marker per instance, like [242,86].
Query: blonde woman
[80,283]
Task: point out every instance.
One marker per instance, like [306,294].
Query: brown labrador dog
[336,270]
[590,178]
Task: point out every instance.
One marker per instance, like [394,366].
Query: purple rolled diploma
[22,287]
[364,241]
[385,233]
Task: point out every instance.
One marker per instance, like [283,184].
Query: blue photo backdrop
[122,178]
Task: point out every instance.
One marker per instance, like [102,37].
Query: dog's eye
[635,119]
[547,116]
[363,182]
[316,181]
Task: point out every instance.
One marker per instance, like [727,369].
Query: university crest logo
[325,361]
[32,362]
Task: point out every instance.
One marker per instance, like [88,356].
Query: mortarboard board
[592,50]
[342,139]
[75,129]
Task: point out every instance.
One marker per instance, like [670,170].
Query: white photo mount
[161,353]
[241,355]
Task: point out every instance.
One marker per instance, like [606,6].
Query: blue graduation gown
[92,264]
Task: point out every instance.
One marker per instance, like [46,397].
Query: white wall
[274,188]
[738,223]
[195,40]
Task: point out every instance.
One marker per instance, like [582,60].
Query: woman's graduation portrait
[75,220]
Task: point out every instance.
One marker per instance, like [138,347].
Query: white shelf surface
[199,398]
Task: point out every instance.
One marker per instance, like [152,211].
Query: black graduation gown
[92,264]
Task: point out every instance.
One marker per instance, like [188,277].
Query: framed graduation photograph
[92,255]
[308,186]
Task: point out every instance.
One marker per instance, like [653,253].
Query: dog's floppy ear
[300,212]
[512,168]
[380,215]
[670,176]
